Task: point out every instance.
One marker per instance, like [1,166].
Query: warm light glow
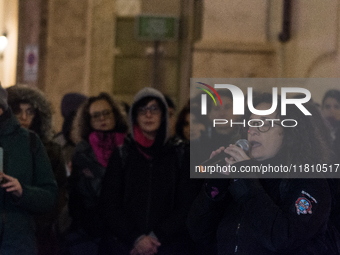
[3,43]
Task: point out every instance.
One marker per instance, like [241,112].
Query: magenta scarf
[104,143]
[141,139]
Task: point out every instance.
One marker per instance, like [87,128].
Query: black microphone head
[244,145]
[220,158]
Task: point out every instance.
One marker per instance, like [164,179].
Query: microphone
[219,159]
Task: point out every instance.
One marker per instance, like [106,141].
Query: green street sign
[156,28]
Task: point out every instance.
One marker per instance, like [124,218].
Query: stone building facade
[89,45]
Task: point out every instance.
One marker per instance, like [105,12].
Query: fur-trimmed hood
[23,94]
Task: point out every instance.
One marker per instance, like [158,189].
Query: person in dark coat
[102,128]
[269,216]
[145,195]
[188,126]
[331,112]
[67,138]
[34,112]
[28,186]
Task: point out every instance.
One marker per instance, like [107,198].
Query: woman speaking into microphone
[269,216]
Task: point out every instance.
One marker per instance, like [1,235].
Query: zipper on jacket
[237,230]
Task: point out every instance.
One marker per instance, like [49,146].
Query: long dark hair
[85,117]
[333,93]
[306,143]
[181,121]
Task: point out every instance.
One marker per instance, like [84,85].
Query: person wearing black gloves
[269,216]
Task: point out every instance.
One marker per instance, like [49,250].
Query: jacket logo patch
[303,206]
[304,193]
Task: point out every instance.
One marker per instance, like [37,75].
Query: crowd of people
[116,178]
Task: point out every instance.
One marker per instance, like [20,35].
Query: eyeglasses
[153,110]
[97,115]
[263,125]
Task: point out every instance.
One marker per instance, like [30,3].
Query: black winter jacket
[261,216]
[141,195]
[85,185]
[31,166]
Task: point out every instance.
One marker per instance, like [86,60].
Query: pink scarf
[142,140]
[104,143]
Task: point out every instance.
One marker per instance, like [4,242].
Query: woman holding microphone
[269,216]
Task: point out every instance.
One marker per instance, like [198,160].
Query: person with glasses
[145,195]
[282,215]
[102,128]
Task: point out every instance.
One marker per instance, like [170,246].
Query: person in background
[146,192]
[330,109]
[67,137]
[102,128]
[126,107]
[331,112]
[221,134]
[188,126]
[172,114]
[28,186]
[269,216]
[33,110]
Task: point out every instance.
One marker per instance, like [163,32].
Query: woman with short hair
[145,194]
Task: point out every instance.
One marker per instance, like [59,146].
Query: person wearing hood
[34,112]
[28,186]
[67,137]
[145,196]
[102,128]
